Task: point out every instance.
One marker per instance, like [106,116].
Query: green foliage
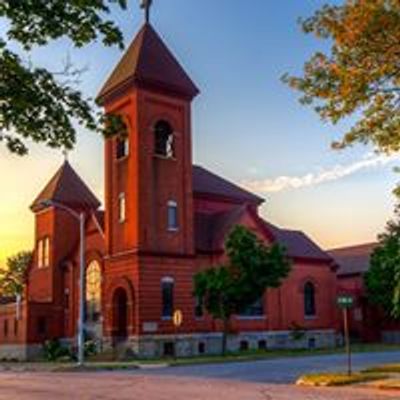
[252,267]
[54,350]
[383,277]
[90,348]
[13,276]
[361,75]
[34,105]
[297,332]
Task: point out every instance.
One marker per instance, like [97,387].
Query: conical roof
[149,62]
[67,188]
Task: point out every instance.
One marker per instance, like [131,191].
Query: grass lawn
[386,368]
[338,379]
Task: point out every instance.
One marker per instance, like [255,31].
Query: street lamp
[80,217]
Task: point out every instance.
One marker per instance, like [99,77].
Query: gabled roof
[66,187]
[148,61]
[297,243]
[211,229]
[354,259]
[206,182]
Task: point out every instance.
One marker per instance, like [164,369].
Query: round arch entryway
[120,310]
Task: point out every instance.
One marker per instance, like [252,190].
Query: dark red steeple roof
[148,61]
[68,188]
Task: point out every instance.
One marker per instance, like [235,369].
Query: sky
[247,125]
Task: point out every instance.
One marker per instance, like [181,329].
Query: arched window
[309,300]
[122,147]
[93,292]
[172,215]
[164,139]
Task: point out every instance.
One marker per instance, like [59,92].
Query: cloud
[335,173]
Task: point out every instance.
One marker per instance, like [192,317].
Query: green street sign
[345,301]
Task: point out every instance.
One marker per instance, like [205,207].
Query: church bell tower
[148,171]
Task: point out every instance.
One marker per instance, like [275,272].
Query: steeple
[148,63]
[68,188]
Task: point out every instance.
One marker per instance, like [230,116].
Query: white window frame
[172,204]
[122,208]
[46,252]
[40,253]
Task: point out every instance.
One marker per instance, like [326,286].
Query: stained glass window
[93,292]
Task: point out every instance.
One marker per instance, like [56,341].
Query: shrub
[54,350]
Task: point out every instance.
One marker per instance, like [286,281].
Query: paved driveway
[113,386]
[285,370]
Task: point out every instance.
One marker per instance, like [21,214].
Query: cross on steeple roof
[146,5]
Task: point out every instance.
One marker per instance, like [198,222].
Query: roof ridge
[355,246]
[241,193]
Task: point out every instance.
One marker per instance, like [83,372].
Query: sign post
[177,319]
[345,303]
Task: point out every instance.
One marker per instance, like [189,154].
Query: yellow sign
[178,318]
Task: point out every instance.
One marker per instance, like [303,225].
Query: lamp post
[80,217]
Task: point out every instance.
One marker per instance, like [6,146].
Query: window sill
[166,318]
[122,159]
[173,230]
[161,157]
[310,317]
[251,318]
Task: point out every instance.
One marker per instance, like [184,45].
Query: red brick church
[164,219]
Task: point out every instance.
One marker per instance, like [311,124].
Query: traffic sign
[345,301]
[177,318]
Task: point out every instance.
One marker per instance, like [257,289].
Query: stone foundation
[20,352]
[157,346]
[391,337]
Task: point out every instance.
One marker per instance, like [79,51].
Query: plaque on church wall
[150,327]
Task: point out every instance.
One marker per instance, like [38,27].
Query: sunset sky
[248,126]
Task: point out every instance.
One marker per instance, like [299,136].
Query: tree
[383,277]
[361,74]
[13,276]
[231,288]
[35,104]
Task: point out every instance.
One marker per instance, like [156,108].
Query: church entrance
[120,315]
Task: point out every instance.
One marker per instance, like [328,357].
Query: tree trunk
[225,335]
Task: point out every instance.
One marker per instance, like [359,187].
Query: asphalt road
[119,386]
[284,370]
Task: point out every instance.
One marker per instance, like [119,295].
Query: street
[109,386]
[283,370]
[264,380]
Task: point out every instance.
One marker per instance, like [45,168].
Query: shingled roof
[67,187]
[297,243]
[206,182]
[211,230]
[354,259]
[148,61]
